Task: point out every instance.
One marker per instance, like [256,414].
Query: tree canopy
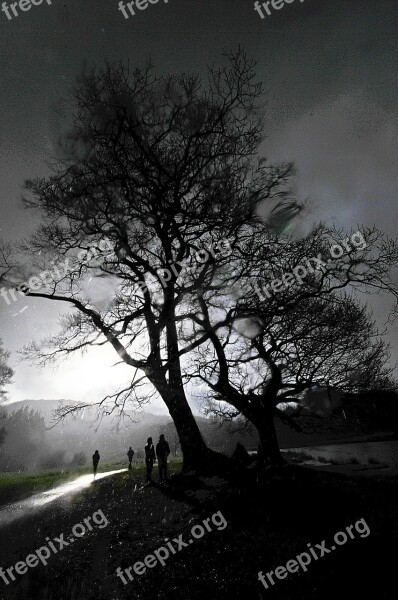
[168,172]
[162,167]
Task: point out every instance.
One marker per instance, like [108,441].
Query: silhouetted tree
[3,433]
[162,168]
[281,341]
[53,460]
[25,434]
[6,372]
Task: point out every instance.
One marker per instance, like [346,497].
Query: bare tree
[311,329]
[6,372]
[162,168]
[6,262]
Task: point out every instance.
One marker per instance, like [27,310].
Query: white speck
[20,311]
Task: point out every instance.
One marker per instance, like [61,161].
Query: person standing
[130,455]
[96,459]
[149,459]
[162,452]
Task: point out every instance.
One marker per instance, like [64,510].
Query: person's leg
[165,469]
[149,467]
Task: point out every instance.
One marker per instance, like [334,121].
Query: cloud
[347,180]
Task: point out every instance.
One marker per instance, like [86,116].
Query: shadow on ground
[268,525]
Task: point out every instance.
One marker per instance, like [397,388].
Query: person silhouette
[162,452]
[149,459]
[130,455]
[96,459]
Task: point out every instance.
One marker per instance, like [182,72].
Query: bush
[56,459]
[10,464]
[79,460]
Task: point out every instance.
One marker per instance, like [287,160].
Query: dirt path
[37,502]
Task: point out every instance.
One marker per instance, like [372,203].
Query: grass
[17,486]
[298,457]
[263,532]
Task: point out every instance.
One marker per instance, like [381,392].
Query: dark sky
[330,68]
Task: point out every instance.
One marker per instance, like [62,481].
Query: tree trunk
[194,449]
[269,452]
[195,452]
[196,455]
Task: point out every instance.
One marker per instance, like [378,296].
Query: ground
[14,486]
[268,525]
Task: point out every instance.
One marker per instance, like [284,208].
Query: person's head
[161,437]
[96,452]
[149,440]
[130,448]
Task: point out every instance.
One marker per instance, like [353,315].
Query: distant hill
[87,415]
[46,407]
[84,432]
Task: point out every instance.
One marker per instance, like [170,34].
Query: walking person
[149,459]
[162,452]
[96,459]
[130,455]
